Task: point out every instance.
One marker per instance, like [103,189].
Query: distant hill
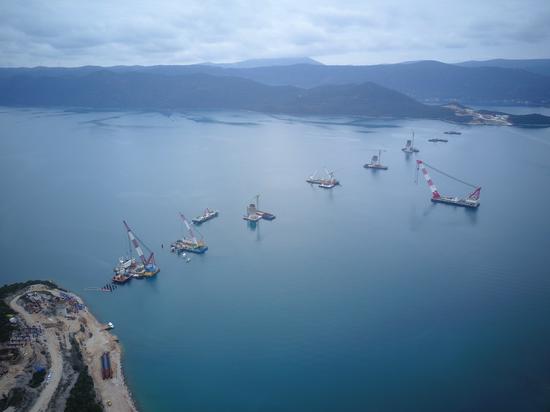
[248,64]
[427,81]
[538,66]
[135,90]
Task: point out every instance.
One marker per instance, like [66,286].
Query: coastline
[69,337]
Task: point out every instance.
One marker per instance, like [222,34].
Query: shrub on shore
[82,397]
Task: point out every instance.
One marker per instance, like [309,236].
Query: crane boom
[435,192]
[189,229]
[136,245]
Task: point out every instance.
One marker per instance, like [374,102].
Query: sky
[123,32]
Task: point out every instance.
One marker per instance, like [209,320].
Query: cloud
[70,33]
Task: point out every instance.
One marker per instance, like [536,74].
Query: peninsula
[52,352]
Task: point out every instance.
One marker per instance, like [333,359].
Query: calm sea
[366,297]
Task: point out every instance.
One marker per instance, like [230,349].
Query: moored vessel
[129,267]
[409,146]
[207,215]
[375,162]
[470,201]
[189,243]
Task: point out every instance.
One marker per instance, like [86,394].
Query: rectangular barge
[207,215]
[456,201]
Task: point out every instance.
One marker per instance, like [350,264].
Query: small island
[55,355]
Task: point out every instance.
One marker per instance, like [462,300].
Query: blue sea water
[366,297]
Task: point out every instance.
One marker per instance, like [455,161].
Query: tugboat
[207,215]
[122,270]
[190,243]
[375,162]
[409,146]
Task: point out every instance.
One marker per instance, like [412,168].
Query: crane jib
[449,176]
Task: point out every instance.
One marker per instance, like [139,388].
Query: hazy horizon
[267,58]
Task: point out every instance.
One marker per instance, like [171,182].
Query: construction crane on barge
[149,265]
[470,201]
[128,268]
[376,162]
[189,243]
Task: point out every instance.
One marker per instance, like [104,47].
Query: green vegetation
[82,397]
[15,398]
[37,378]
[5,326]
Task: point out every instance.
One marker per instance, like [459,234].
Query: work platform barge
[470,201]
[253,214]
[188,243]
[328,183]
[129,267]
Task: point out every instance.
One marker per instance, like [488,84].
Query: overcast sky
[111,32]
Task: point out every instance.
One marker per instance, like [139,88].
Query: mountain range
[393,90]
[538,66]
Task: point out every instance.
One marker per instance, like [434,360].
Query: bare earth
[93,340]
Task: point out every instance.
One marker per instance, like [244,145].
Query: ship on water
[469,201]
[325,183]
[376,162]
[313,179]
[129,267]
[330,182]
[207,215]
[188,243]
[409,146]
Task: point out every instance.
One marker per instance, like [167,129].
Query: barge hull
[252,218]
[198,251]
[265,215]
[458,202]
[370,166]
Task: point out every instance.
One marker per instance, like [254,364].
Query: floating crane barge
[471,201]
[323,183]
[129,267]
[190,243]
[375,162]
[409,146]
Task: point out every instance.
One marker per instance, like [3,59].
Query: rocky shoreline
[51,360]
